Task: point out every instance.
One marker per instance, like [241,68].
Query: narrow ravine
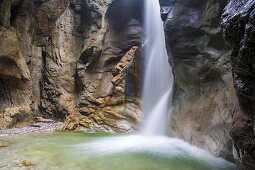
[127,84]
[157,88]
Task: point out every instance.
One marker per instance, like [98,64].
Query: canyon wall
[103,102]
[79,61]
[214,86]
[70,58]
[238,22]
[25,28]
[204,96]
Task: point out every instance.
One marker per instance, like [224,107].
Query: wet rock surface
[239,30]
[204,96]
[79,61]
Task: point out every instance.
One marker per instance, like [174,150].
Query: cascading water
[156,92]
[158,79]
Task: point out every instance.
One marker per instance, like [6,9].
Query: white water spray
[156,92]
[158,79]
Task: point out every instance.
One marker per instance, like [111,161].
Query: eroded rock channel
[80,62]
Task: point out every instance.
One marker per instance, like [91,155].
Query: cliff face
[25,29]
[68,58]
[79,61]
[15,82]
[238,21]
[102,102]
[204,96]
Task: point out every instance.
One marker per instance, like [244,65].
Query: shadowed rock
[239,30]
[204,97]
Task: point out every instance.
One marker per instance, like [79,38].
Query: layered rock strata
[118,109]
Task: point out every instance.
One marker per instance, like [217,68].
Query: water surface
[70,151]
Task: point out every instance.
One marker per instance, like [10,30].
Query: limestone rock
[114,112]
[12,63]
[14,82]
[25,27]
[58,57]
[204,97]
[15,117]
[239,28]
[102,101]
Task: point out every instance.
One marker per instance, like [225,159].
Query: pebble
[26,163]
[36,128]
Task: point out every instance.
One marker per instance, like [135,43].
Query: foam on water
[156,98]
[161,146]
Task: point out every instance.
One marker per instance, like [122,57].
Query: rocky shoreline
[40,126]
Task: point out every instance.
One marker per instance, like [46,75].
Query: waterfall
[156,95]
[158,78]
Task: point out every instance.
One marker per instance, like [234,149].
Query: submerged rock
[3,144]
[26,163]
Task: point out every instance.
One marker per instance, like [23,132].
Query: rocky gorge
[80,62]
[68,58]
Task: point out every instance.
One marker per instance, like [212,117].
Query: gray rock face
[204,99]
[63,55]
[22,42]
[98,101]
[239,28]
[15,82]
[78,61]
